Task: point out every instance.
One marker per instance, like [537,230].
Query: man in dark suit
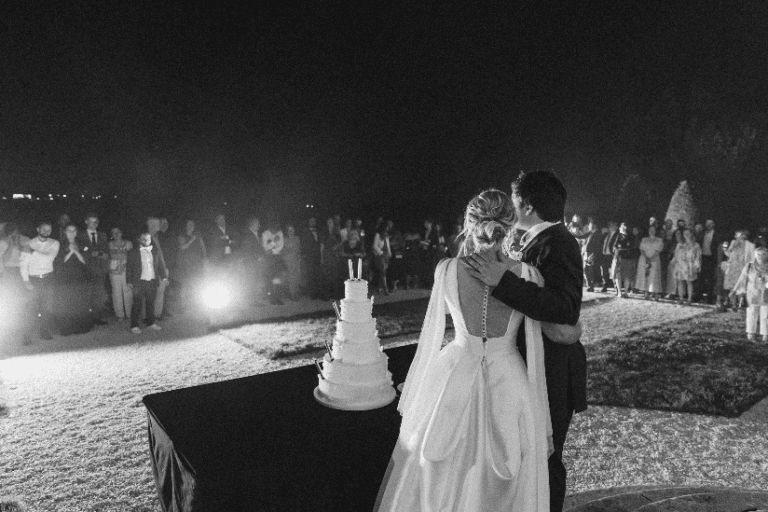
[253,255]
[144,271]
[592,253]
[95,247]
[539,198]
[709,244]
[311,253]
[221,245]
[606,259]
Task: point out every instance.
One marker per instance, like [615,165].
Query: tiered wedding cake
[354,374]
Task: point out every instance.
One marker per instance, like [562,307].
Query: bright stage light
[216,296]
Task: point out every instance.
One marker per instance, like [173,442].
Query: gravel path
[74,437]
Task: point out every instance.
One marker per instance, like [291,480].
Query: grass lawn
[703,365]
[73,438]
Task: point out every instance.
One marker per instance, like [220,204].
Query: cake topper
[359,268]
[319,369]
[351,272]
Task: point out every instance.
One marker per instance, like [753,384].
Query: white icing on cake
[373,373]
[356,312]
[355,375]
[360,332]
[355,353]
[356,290]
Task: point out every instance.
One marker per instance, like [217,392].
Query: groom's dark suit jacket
[556,254]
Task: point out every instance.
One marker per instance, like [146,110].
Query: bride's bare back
[471,302]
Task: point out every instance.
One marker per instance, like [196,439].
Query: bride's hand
[562,333]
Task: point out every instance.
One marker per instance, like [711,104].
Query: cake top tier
[356,289]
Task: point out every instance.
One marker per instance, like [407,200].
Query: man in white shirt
[36,269]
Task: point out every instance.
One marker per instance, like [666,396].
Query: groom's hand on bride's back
[489,266]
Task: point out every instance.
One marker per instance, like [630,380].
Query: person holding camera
[95,248]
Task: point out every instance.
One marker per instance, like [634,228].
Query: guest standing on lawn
[687,265]
[427,253]
[145,270]
[13,245]
[292,257]
[751,284]
[740,252]
[722,295]
[333,282]
[36,267]
[649,265]
[671,284]
[191,260]
[311,256]
[382,253]
[624,264]
[95,248]
[253,256]
[591,253]
[275,271]
[71,286]
[122,298]
[606,261]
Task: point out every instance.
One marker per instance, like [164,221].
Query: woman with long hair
[476,431]
[71,309]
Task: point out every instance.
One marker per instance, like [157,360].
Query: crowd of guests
[67,277]
[679,261]
[73,275]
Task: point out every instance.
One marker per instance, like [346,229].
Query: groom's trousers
[566,370]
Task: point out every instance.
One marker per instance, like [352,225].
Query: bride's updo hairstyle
[488,218]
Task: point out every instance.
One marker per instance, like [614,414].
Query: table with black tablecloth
[263,443]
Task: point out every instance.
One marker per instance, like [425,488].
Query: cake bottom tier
[351,397]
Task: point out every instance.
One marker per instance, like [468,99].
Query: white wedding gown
[476,423]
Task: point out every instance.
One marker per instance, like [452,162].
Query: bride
[476,432]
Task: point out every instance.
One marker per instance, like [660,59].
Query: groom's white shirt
[532,233]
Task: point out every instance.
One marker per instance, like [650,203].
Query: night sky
[403,108]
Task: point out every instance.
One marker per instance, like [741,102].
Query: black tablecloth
[263,443]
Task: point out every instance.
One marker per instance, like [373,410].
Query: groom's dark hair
[544,191]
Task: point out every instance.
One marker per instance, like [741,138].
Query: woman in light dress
[476,432]
[752,284]
[649,264]
[740,252]
[687,265]
[671,287]
[122,296]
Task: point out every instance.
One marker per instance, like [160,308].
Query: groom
[539,200]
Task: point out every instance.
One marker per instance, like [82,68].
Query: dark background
[403,109]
